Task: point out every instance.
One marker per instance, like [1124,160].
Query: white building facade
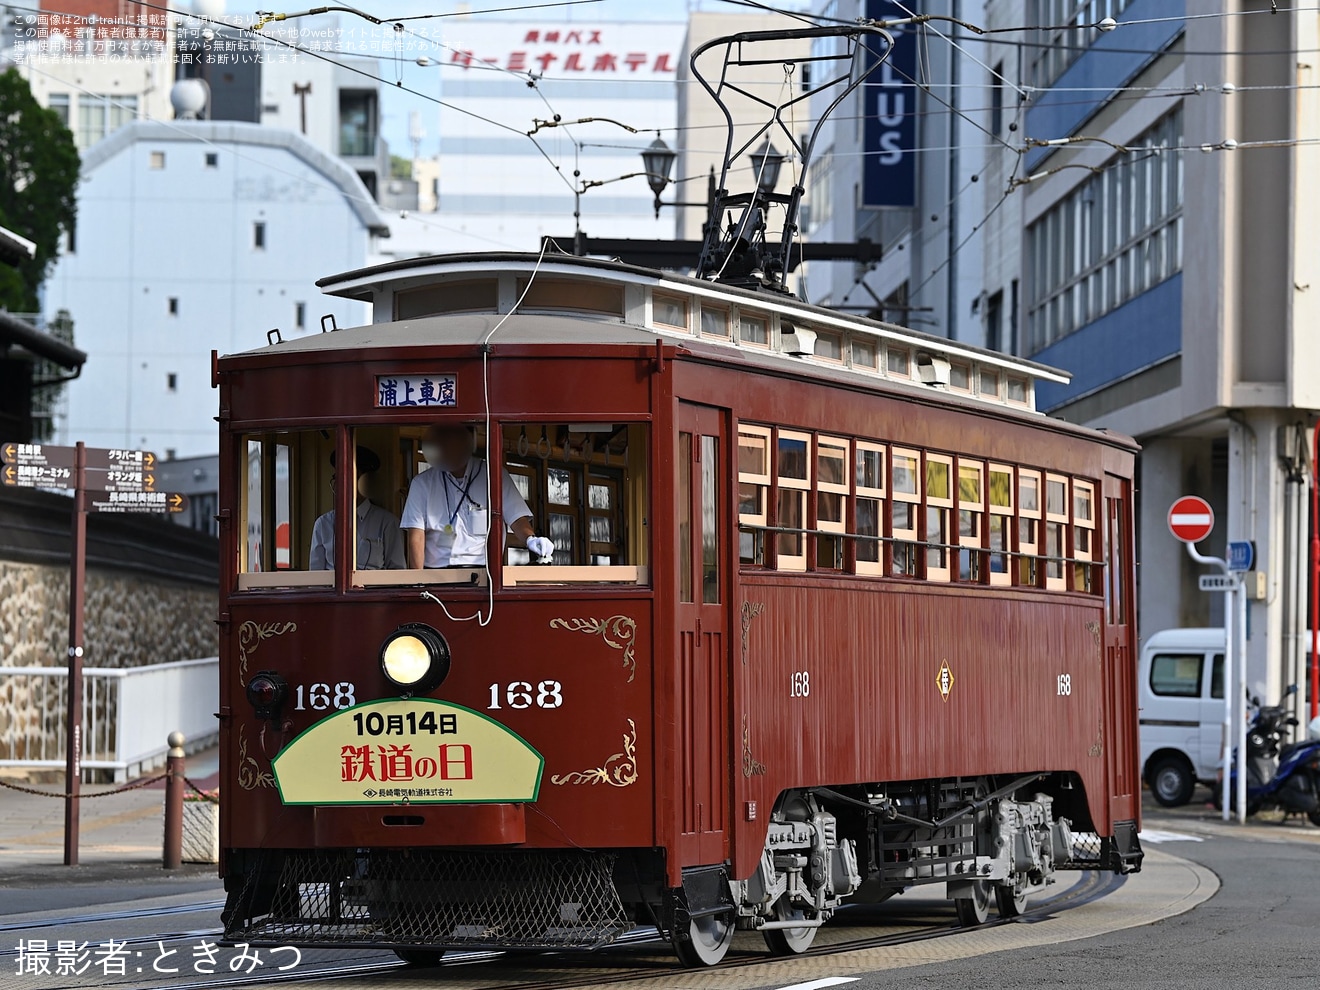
[1166,256]
[194,236]
[497,191]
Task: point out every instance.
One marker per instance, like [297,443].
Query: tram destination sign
[109,469]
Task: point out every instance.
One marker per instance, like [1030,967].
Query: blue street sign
[1241,555]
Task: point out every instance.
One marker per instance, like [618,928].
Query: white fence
[127,714]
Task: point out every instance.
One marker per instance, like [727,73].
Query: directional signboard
[1191,519]
[110,469]
[136,502]
[36,476]
[1241,555]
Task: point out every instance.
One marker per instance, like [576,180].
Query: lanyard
[462,495]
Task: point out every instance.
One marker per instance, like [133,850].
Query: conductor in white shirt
[446,519]
[379,540]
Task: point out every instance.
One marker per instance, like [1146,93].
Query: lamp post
[766,162]
[658,161]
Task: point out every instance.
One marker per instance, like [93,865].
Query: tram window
[905,504]
[1028,527]
[989,382]
[863,354]
[1017,390]
[939,503]
[829,346]
[683,520]
[831,501]
[870,485]
[710,512]
[572,294]
[714,321]
[753,493]
[960,377]
[1000,492]
[1056,531]
[793,474]
[586,487]
[465,296]
[897,362]
[753,330]
[669,311]
[1083,523]
[286,486]
[971,509]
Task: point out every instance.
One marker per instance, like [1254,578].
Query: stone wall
[129,620]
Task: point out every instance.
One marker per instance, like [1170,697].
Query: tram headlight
[414,658]
[266,692]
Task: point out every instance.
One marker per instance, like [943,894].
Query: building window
[358,122]
[102,115]
[997,99]
[157,159]
[1069,34]
[172,382]
[59,102]
[212,160]
[1113,237]
[173,305]
[821,181]
[300,315]
[994,322]
[259,235]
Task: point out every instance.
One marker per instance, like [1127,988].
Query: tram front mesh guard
[489,899]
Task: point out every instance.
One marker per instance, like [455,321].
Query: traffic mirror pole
[73,716]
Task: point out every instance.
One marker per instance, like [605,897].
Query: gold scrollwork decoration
[750,610]
[618,631]
[250,774]
[751,767]
[250,635]
[1099,747]
[619,770]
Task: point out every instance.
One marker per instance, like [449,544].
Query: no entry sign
[1191,519]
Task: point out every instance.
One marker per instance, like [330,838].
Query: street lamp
[766,162]
[658,162]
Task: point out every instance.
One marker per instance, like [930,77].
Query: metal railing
[127,714]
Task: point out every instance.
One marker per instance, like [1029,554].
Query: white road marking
[1158,835]
[829,981]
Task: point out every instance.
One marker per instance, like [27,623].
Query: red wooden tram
[832,612]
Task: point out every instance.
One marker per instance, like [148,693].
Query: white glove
[540,546]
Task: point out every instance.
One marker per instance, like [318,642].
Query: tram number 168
[521,694]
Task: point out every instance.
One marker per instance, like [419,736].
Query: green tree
[400,167]
[38,180]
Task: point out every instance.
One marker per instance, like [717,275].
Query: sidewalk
[119,834]
[1200,817]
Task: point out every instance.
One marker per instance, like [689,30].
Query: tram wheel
[420,957]
[789,941]
[1011,904]
[708,941]
[973,911]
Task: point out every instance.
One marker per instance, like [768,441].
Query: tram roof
[367,284]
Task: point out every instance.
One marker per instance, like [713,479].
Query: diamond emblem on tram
[944,680]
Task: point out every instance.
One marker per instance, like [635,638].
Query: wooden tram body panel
[683,741]
[874,647]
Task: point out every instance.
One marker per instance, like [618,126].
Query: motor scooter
[1279,775]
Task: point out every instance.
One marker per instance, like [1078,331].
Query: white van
[1180,696]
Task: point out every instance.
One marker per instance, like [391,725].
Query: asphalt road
[1262,930]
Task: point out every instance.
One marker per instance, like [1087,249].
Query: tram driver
[446,519]
[379,541]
